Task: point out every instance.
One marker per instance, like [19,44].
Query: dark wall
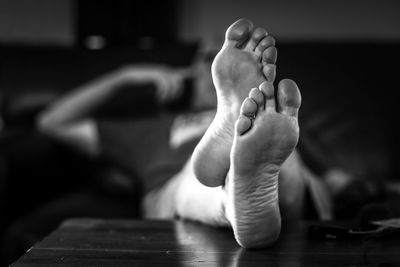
[143,23]
[44,22]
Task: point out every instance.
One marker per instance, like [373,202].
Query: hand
[168,81]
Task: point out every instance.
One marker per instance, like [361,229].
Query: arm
[69,118]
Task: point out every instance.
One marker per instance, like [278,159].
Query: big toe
[238,33]
[289,97]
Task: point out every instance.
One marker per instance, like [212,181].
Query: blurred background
[69,22]
[344,55]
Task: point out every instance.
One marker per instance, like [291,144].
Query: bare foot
[246,59]
[266,133]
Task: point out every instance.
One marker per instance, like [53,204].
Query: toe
[269,92]
[267,41]
[249,107]
[257,35]
[238,33]
[289,97]
[247,113]
[269,71]
[258,97]
[270,55]
[243,124]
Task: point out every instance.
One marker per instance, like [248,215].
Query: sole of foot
[246,59]
[266,133]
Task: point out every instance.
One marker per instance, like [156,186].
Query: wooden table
[91,242]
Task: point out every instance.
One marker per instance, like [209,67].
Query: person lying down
[244,169]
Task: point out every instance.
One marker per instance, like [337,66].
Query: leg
[183,195]
[249,201]
[246,59]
